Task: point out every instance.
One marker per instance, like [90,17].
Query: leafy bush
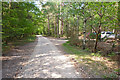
[92,35]
[75,41]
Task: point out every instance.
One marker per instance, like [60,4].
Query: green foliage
[112,75]
[92,35]
[70,19]
[96,54]
[111,54]
[19,19]
[90,62]
[117,70]
[22,42]
[73,50]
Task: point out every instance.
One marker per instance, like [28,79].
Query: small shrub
[117,70]
[111,54]
[75,41]
[92,35]
[87,49]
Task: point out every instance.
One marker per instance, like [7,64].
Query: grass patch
[93,63]
[74,49]
[21,42]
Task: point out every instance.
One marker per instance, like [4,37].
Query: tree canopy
[70,19]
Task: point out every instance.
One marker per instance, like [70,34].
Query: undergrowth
[23,41]
[93,63]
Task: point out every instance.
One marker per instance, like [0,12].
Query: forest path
[46,61]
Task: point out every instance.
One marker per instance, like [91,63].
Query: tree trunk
[67,29]
[78,26]
[62,27]
[74,27]
[48,26]
[57,27]
[96,42]
[60,22]
[99,32]
[98,37]
[84,39]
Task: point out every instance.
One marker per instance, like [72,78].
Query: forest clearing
[60,39]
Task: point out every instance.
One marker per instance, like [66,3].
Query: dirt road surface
[44,61]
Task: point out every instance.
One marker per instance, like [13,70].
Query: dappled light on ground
[105,61]
[93,66]
[13,60]
[101,66]
[47,61]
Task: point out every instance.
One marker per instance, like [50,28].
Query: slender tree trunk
[62,27]
[48,26]
[95,47]
[67,29]
[74,28]
[55,29]
[98,37]
[57,26]
[43,29]
[99,31]
[78,26]
[60,22]
[84,39]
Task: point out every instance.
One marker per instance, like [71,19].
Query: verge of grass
[92,63]
[21,42]
[74,50]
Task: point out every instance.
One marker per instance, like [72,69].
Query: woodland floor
[46,57]
[43,58]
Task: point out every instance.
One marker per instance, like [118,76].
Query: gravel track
[47,61]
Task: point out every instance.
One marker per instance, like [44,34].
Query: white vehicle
[108,34]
